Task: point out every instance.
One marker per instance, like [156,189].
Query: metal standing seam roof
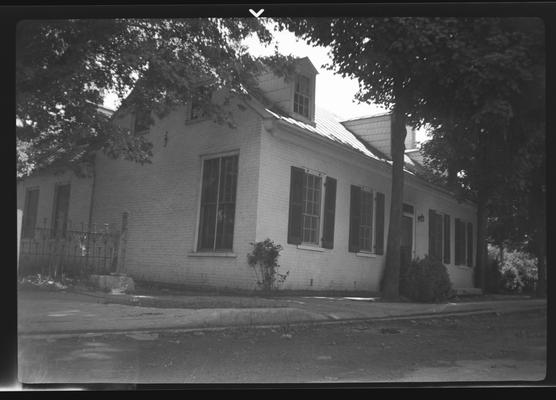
[328,125]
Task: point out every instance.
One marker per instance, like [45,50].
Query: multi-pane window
[218,199]
[311,208]
[60,211]
[366,221]
[307,209]
[366,212]
[30,213]
[302,95]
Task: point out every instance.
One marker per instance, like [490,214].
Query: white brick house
[289,172]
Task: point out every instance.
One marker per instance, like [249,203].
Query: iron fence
[69,251]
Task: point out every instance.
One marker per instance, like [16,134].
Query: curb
[324,319]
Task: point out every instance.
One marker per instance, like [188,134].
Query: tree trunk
[481,262]
[390,278]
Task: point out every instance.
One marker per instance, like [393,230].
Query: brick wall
[162,200]
[80,196]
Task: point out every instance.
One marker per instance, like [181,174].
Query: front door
[407,240]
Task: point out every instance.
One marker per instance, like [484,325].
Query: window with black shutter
[366,219]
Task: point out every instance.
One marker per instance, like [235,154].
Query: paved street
[482,347]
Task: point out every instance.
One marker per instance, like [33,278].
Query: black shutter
[354,218]
[447,255]
[438,236]
[469,244]
[329,212]
[432,233]
[379,224]
[295,222]
[458,240]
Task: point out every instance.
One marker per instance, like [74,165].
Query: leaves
[64,68]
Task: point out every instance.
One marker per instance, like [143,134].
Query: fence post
[120,268]
[19,222]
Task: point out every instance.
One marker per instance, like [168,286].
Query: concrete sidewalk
[71,313]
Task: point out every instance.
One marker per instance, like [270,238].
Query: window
[196,110]
[366,209]
[30,213]
[141,122]
[302,95]
[311,208]
[60,211]
[306,210]
[218,200]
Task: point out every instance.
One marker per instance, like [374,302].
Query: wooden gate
[70,251]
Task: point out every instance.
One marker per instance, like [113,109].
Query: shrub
[516,274]
[425,280]
[263,259]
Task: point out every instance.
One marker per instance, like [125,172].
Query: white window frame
[310,96]
[372,252]
[322,176]
[202,159]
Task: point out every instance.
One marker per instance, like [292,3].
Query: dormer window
[302,96]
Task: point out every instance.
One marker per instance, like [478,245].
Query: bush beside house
[425,280]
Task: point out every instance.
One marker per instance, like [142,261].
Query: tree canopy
[64,68]
[469,79]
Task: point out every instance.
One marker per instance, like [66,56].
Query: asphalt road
[484,348]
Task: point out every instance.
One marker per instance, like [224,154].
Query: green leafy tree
[64,68]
